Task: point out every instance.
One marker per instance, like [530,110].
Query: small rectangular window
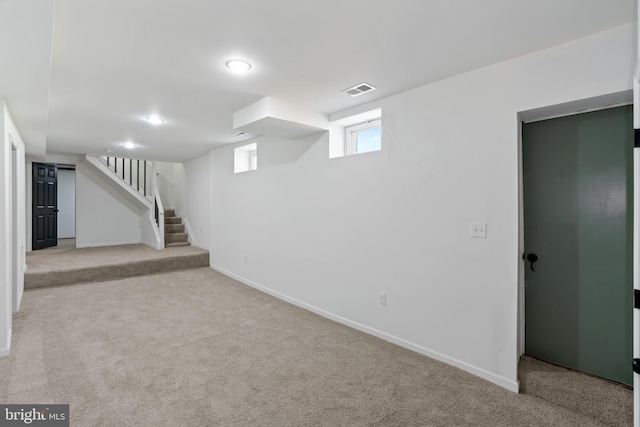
[363,138]
[245,158]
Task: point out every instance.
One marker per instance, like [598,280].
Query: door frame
[604,102]
[68,167]
[70,161]
[47,208]
[18,208]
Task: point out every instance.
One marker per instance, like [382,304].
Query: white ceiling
[113,62]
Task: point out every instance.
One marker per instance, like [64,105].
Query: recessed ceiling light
[130,145]
[238,134]
[238,65]
[108,150]
[155,119]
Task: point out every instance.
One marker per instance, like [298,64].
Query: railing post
[145,178]
[115,165]
[131,172]
[138,174]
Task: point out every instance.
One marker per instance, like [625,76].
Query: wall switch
[382,298]
[478,230]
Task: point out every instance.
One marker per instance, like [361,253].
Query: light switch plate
[478,230]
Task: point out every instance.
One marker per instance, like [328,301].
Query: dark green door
[578,221]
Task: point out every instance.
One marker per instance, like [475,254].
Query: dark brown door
[45,205]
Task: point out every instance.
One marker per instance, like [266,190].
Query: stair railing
[141,176]
[158,208]
[134,172]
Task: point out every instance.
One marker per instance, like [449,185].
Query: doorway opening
[66,204]
[578,228]
[45,205]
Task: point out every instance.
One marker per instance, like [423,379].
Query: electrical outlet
[382,298]
[478,230]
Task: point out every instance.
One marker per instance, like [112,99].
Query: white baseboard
[97,245]
[479,372]
[150,245]
[201,247]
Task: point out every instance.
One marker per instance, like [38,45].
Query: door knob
[532,258]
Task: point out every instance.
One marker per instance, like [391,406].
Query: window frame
[249,161]
[351,135]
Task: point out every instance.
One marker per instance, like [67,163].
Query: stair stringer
[139,198]
[188,229]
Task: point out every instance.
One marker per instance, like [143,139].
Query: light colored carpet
[196,348]
[602,400]
[65,264]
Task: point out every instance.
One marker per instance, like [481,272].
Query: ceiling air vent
[359,89]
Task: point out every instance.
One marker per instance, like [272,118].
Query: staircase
[137,181]
[174,233]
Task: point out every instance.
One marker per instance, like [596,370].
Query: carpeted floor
[196,348]
[606,401]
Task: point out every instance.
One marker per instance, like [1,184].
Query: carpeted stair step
[173,228]
[103,268]
[602,400]
[176,244]
[175,237]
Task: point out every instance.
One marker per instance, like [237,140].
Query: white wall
[103,215]
[329,234]
[195,205]
[5,236]
[12,226]
[170,176]
[19,215]
[66,203]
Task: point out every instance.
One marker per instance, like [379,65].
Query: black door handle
[636,366]
[532,258]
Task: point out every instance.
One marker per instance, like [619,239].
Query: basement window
[363,137]
[356,134]
[245,158]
